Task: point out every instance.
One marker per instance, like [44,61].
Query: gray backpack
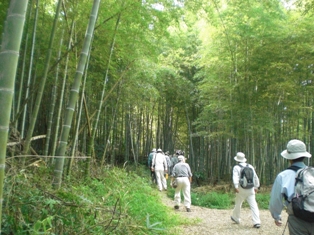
[303,200]
[246,177]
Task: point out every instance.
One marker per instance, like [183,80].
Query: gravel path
[214,221]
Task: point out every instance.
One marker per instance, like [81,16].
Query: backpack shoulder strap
[294,168]
[240,165]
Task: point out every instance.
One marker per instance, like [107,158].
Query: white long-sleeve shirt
[159,162]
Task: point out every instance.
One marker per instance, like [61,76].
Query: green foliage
[212,200]
[263,200]
[222,200]
[42,227]
[118,201]
[154,225]
[3,11]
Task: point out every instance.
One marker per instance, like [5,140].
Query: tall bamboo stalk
[21,82]
[74,97]
[42,83]
[109,130]
[30,69]
[58,116]
[92,139]
[53,100]
[9,54]
[69,167]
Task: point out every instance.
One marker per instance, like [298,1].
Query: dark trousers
[153,176]
[299,227]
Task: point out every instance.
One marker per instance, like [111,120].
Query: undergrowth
[221,199]
[113,201]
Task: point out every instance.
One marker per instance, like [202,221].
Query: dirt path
[214,221]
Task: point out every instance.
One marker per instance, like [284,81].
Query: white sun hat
[240,157]
[295,149]
[181,158]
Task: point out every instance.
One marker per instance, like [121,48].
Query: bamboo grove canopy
[104,82]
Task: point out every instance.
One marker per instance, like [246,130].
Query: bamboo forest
[90,86]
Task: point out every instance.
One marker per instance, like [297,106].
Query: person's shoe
[256,226]
[176,207]
[237,222]
[188,210]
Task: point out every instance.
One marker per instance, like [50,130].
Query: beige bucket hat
[295,149]
[240,157]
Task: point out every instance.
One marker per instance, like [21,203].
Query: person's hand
[255,189]
[278,222]
[236,190]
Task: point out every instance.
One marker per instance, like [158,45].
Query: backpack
[246,177]
[303,199]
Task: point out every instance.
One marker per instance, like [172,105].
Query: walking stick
[285,228]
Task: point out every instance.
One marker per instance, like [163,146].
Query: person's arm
[173,175]
[172,179]
[256,181]
[153,161]
[276,201]
[190,173]
[236,178]
[165,164]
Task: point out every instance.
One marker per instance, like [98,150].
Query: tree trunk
[9,54]
[74,97]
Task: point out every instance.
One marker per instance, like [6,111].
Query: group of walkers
[284,194]
[246,183]
[162,165]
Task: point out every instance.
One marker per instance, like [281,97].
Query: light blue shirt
[283,185]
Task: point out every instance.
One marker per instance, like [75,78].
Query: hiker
[182,175]
[169,164]
[247,194]
[174,160]
[150,161]
[160,167]
[283,189]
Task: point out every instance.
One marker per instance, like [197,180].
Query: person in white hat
[160,167]
[182,174]
[243,193]
[283,189]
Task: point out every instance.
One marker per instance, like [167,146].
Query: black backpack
[246,177]
[303,199]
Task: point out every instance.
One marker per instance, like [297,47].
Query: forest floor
[216,221]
